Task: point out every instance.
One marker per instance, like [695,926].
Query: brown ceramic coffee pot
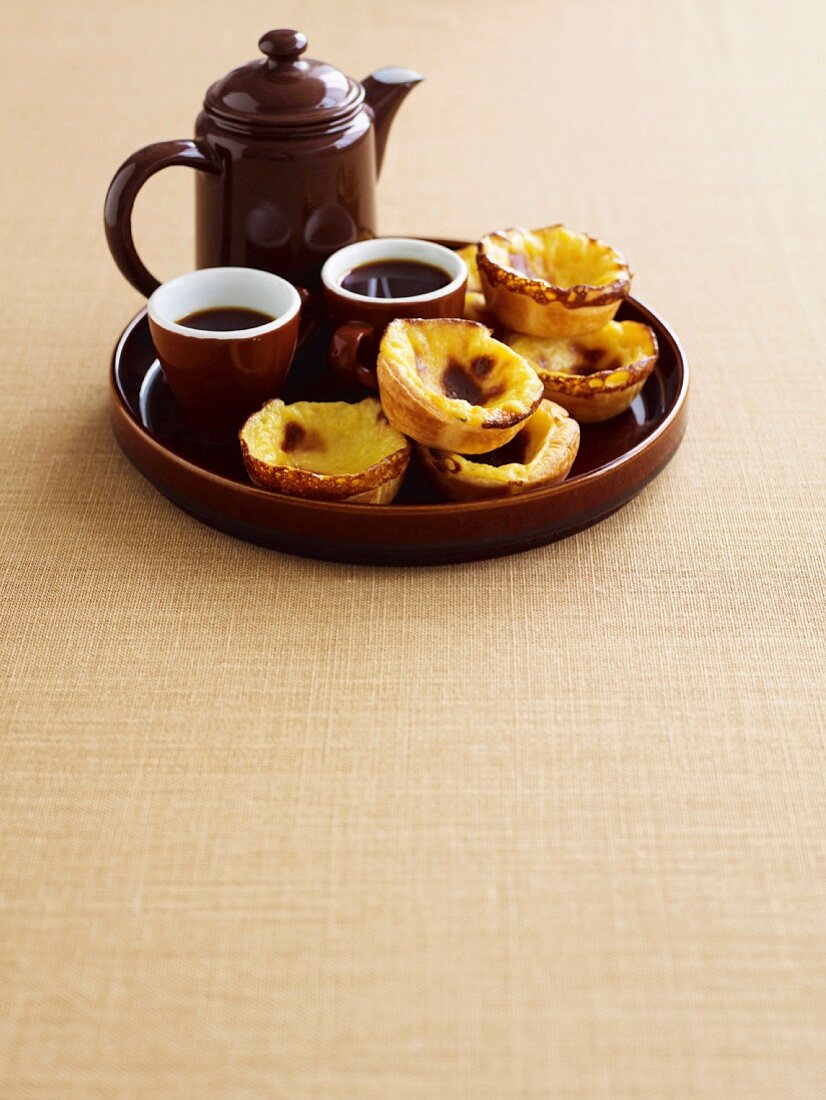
[287,151]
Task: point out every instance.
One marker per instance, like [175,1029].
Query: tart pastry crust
[447,383]
[325,451]
[476,308]
[551,282]
[594,377]
[541,453]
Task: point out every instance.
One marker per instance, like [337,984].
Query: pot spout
[384,91]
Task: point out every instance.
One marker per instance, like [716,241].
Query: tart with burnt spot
[326,451]
[448,384]
[597,376]
[476,308]
[540,454]
[551,282]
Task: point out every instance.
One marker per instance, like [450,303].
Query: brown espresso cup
[220,377]
[359,320]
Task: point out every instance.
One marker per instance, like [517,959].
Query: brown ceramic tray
[616,460]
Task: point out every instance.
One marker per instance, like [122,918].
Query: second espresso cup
[359,319]
[219,376]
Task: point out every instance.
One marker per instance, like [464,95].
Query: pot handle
[123,190]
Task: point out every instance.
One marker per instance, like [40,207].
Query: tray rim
[430,509]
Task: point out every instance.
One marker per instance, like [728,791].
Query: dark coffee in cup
[225,319]
[395,279]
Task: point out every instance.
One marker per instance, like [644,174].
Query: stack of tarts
[553,294]
[475,408]
[488,417]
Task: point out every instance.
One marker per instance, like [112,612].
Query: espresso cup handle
[352,354]
[123,190]
[310,315]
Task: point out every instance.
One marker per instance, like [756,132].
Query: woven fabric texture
[546,826]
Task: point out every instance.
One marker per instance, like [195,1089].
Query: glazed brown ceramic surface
[615,461]
[378,314]
[358,321]
[287,150]
[220,382]
[220,377]
[354,343]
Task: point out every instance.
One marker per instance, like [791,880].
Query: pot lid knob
[282,45]
[285,91]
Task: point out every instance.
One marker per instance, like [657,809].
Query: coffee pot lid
[285,90]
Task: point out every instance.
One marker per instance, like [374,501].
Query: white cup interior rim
[393,248]
[231,287]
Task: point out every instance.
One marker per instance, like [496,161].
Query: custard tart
[447,383]
[541,453]
[551,282]
[476,308]
[325,451]
[594,377]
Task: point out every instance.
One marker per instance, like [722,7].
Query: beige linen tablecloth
[547,826]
